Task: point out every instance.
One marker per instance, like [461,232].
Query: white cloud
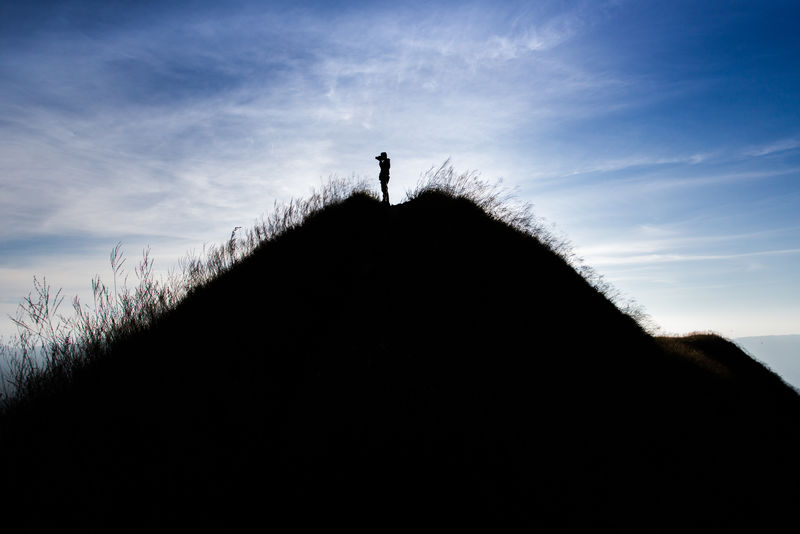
[650,259]
[640,161]
[679,241]
[771,148]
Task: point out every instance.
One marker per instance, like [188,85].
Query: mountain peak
[382,366]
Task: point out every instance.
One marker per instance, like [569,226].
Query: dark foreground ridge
[419,366]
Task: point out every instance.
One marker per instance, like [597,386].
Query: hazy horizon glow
[662,139]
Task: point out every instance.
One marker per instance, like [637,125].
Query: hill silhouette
[420,365]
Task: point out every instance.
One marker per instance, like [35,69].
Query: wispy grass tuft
[216,259]
[503,205]
[51,347]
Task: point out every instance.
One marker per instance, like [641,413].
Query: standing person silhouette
[384,162]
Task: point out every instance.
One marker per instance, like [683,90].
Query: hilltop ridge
[382,367]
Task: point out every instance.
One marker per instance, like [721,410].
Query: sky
[660,138]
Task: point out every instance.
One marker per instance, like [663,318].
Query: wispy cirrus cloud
[620,258]
[164,119]
[771,148]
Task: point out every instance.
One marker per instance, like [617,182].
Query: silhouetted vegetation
[51,346]
[502,205]
[277,383]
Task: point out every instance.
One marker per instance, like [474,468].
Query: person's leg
[385,191]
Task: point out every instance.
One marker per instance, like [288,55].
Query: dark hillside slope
[421,364]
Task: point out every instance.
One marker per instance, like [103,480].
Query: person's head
[382,157]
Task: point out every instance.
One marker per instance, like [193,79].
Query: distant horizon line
[767,335]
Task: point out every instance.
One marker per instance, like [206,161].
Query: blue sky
[661,138]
